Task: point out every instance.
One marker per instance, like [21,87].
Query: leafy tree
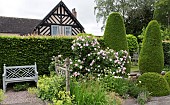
[137,13]
[104,7]
[162,12]
[151,57]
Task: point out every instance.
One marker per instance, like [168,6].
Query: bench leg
[4,86]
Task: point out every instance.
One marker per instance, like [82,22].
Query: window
[61,30]
[67,30]
[55,30]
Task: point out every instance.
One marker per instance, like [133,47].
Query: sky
[38,9]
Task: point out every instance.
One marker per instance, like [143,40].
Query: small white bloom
[76,64]
[59,56]
[79,60]
[81,67]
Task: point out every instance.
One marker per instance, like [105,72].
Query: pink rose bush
[89,58]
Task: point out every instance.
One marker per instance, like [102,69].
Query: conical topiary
[151,57]
[115,34]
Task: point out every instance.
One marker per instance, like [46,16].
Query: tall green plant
[151,57]
[115,34]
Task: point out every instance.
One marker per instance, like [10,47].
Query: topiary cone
[115,34]
[151,57]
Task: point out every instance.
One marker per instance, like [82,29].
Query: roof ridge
[18,18]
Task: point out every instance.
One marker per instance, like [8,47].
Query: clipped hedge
[155,83]
[27,50]
[166,48]
[151,57]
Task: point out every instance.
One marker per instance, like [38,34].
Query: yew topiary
[151,57]
[167,77]
[154,83]
[115,34]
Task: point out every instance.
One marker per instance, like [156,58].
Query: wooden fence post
[67,62]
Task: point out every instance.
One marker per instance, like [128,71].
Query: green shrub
[167,77]
[151,57]
[115,34]
[143,97]
[2,95]
[155,83]
[166,49]
[20,86]
[118,85]
[49,87]
[88,93]
[132,44]
[134,90]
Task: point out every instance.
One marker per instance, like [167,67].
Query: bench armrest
[36,72]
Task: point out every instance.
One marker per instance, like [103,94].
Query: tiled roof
[17,25]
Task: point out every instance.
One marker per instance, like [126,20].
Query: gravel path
[25,98]
[21,98]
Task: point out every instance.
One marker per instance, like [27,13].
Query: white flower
[76,64]
[139,81]
[110,59]
[88,55]
[79,60]
[98,75]
[59,56]
[71,62]
[95,49]
[121,59]
[81,67]
[98,66]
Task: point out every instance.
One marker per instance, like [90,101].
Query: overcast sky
[38,9]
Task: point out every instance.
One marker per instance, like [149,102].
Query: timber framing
[59,15]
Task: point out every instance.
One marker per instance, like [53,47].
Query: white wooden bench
[19,74]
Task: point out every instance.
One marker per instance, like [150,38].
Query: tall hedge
[115,34]
[27,50]
[151,57]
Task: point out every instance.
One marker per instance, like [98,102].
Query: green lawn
[134,68]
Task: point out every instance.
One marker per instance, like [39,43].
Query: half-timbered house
[59,21]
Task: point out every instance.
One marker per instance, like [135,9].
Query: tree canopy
[136,13]
[162,12]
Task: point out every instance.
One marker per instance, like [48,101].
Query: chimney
[74,12]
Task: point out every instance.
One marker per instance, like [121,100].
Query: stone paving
[164,100]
